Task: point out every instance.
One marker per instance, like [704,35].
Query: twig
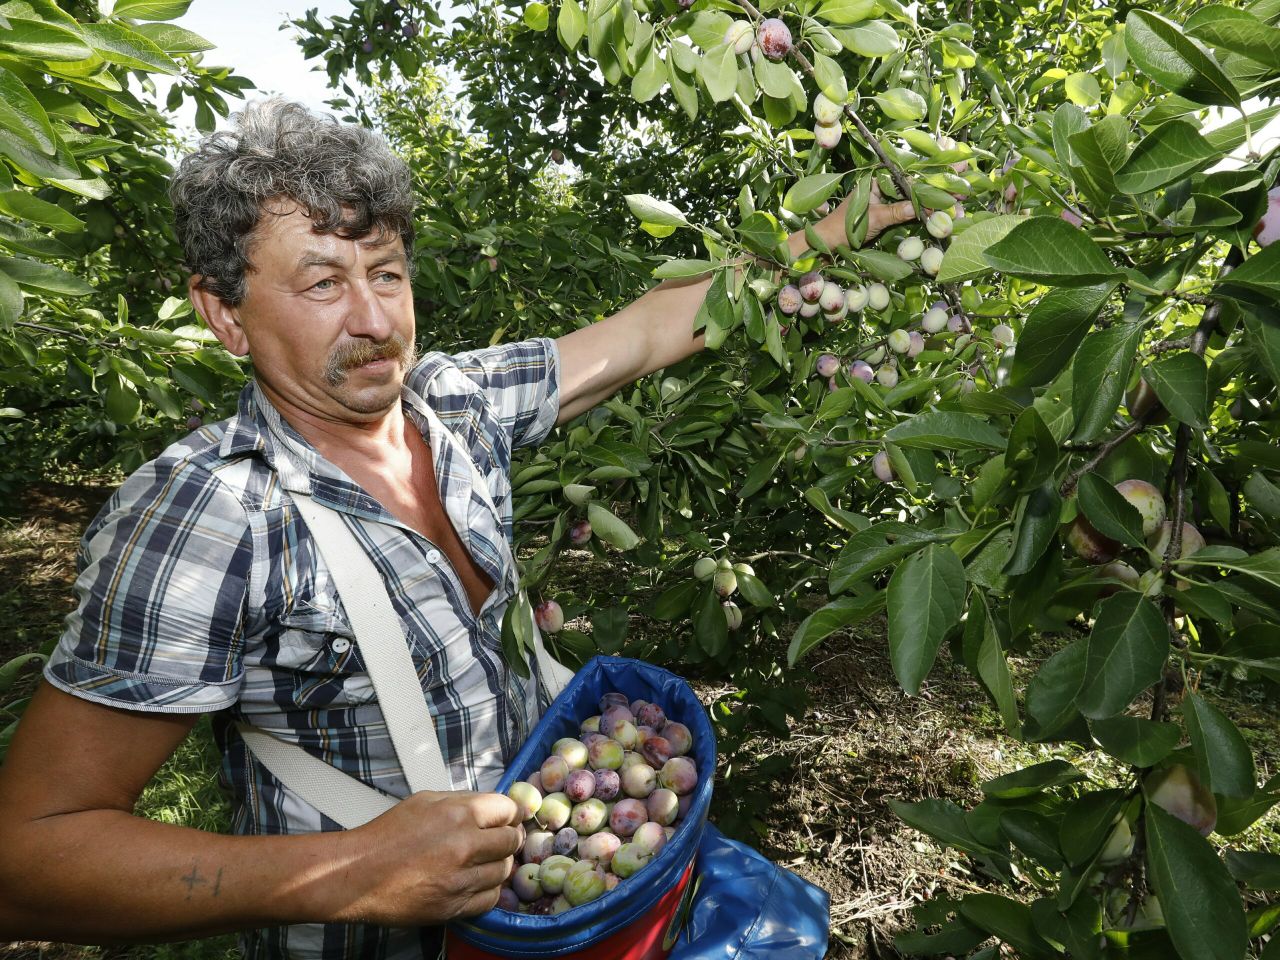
[1068,486]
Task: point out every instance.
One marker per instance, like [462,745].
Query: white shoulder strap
[382,645]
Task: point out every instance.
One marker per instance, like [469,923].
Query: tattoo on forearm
[194,879]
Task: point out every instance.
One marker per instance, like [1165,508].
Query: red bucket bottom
[649,937]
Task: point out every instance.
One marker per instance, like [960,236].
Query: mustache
[348,356]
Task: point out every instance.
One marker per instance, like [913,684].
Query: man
[201,590]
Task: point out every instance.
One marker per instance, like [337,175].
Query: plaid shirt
[201,591]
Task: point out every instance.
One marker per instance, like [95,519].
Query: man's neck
[379,439]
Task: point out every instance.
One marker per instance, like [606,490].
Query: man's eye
[388,276]
[321,285]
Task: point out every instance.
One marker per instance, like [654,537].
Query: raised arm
[76,866]
[656,330]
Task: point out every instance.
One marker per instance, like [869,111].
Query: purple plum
[580,785]
[656,751]
[598,849]
[564,843]
[653,715]
[588,817]
[608,785]
[627,815]
[678,736]
[538,845]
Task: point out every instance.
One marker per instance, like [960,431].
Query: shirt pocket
[317,648]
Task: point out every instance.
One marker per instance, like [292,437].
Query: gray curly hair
[343,176]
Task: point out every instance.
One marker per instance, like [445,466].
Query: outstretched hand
[880,215]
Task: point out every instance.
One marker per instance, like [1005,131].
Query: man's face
[328,321]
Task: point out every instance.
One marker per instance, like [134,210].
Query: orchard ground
[861,743]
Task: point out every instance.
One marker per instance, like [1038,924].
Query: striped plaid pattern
[201,591]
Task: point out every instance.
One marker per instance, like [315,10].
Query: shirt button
[433,556]
[341,645]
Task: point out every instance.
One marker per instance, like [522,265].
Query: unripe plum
[856,298]
[732,612]
[639,780]
[1158,543]
[862,371]
[959,323]
[939,224]
[1002,334]
[832,297]
[811,286]
[917,344]
[580,533]
[1118,570]
[630,859]
[887,376]
[1267,230]
[678,735]
[554,812]
[614,717]
[555,770]
[584,886]
[526,883]
[557,156]
[1142,398]
[535,780]
[1177,791]
[580,785]
[627,815]
[931,260]
[910,248]
[1118,847]
[1090,545]
[740,36]
[611,880]
[678,775]
[599,848]
[538,845]
[789,300]
[935,318]
[827,135]
[744,568]
[808,310]
[878,296]
[553,871]
[630,759]
[527,797]
[608,784]
[881,467]
[826,110]
[774,38]
[650,836]
[839,313]
[588,816]
[626,734]
[725,582]
[548,616]
[572,751]
[899,341]
[663,806]
[605,755]
[1147,500]
[704,568]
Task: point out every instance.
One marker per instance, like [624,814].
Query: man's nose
[368,314]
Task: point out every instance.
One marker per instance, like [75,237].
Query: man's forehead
[292,241]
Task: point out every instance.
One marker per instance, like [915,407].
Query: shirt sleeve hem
[147,694]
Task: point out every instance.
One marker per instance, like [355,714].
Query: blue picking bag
[523,935]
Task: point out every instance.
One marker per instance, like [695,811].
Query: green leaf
[1083,89]
[150,9]
[965,258]
[1172,151]
[925,597]
[22,116]
[1050,251]
[1052,692]
[1053,330]
[1007,920]
[609,528]
[809,192]
[761,234]
[1256,869]
[571,24]
[1236,30]
[1261,272]
[537,16]
[840,613]
[123,402]
[1100,150]
[116,44]
[990,663]
[1087,823]
[847,11]
[1036,526]
[944,430]
[684,268]
[1031,780]
[830,78]
[1098,377]
[173,39]
[873,39]
[674,602]
[27,206]
[1108,510]
[609,628]
[1136,740]
[870,550]
[43,277]
[901,103]
[650,210]
[1263,330]
[1181,382]
[650,78]
[41,40]
[881,264]
[1224,761]
[10,300]
[1032,454]
[1201,905]
[709,624]
[1128,647]
[1176,62]
[718,70]
[942,820]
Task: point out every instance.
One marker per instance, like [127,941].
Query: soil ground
[861,743]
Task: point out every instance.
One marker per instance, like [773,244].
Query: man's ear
[223,320]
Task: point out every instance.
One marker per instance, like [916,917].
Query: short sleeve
[522,382]
[164,573]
